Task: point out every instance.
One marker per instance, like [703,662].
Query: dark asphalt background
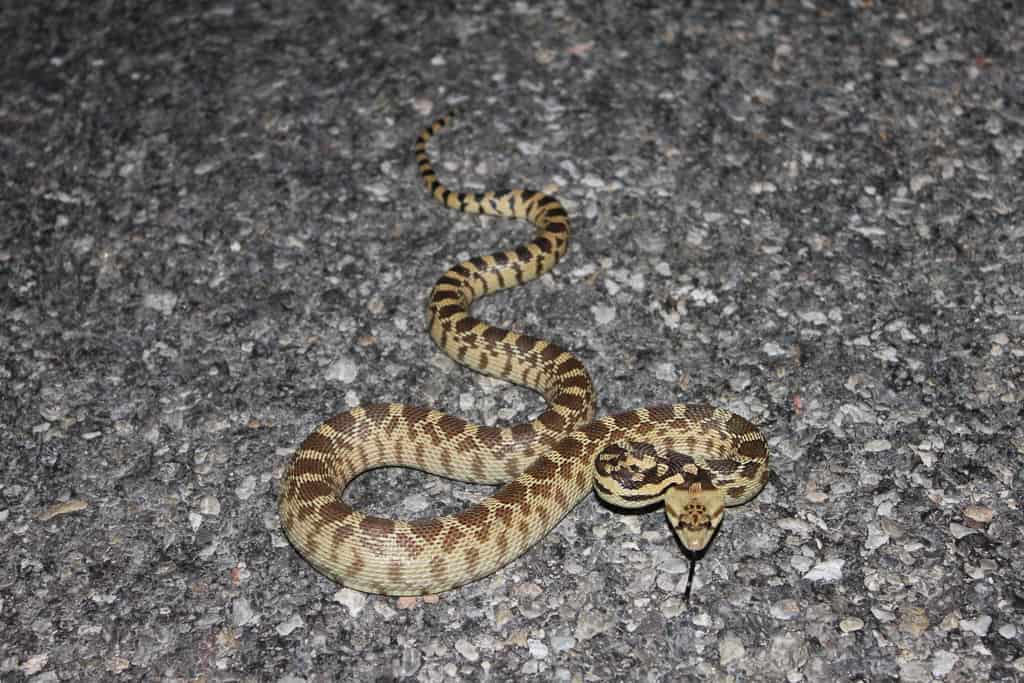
[213,236]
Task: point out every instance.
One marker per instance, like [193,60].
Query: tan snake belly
[696,458]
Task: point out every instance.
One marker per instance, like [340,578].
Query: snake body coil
[696,458]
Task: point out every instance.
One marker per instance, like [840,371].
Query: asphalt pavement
[213,236]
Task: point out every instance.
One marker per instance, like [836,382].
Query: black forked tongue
[693,557]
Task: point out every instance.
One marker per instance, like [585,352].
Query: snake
[696,458]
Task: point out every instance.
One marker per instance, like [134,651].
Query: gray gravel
[213,237]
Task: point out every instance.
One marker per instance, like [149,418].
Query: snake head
[694,513]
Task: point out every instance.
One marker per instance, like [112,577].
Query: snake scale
[695,458]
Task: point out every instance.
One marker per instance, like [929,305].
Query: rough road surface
[213,236]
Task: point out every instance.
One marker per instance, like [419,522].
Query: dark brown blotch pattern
[755,450]
[347,545]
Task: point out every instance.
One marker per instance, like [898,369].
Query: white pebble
[914,672]
[603,314]
[569,167]
[342,370]
[703,297]
[563,643]
[591,624]
[467,650]
[801,564]
[286,627]
[883,615]
[245,488]
[730,649]
[538,650]
[919,182]
[416,502]
[851,624]
[422,105]
[209,506]
[354,601]
[960,531]
[762,187]
[160,301]
[943,662]
[813,317]
[205,167]
[528,149]
[877,445]
[784,610]
[242,612]
[384,610]
[530,668]
[794,525]
[34,664]
[876,537]
[977,626]
[740,381]
[378,189]
[666,372]
[672,607]
[827,571]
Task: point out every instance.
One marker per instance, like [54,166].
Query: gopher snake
[696,458]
